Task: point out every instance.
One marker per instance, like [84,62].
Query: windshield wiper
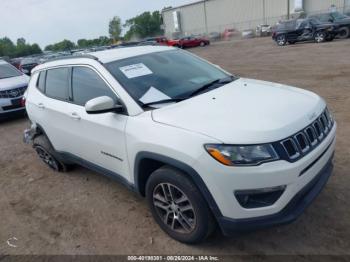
[220,81]
[170,100]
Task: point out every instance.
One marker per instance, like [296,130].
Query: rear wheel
[344,32]
[178,206]
[47,154]
[202,44]
[281,40]
[320,37]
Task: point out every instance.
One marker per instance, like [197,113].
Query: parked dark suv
[343,21]
[299,30]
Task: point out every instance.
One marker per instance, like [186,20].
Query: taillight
[23,102]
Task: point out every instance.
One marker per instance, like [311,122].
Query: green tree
[35,49]
[115,28]
[144,25]
[7,48]
[64,45]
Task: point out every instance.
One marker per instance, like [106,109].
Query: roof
[181,6]
[105,56]
[110,55]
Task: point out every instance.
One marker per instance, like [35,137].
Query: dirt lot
[84,213]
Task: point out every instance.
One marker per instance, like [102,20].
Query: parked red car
[162,40]
[191,41]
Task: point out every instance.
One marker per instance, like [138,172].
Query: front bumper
[290,213]
[11,107]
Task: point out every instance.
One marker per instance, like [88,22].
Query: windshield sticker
[153,95]
[136,70]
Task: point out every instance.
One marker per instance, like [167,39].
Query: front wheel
[202,44]
[178,206]
[281,40]
[320,37]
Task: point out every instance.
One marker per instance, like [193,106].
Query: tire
[344,32]
[320,37]
[201,44]
[47,154]
[195,222]
[329,38]
[281,40]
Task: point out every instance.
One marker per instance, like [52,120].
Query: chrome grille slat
[306,140]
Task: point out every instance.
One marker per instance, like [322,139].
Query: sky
[50,21]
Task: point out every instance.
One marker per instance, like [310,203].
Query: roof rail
[73,57]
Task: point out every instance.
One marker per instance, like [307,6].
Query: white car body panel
[245,111]
[273,112]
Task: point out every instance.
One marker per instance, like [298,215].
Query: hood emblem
[13,93]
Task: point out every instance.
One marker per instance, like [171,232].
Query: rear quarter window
[57,83]
[41,81]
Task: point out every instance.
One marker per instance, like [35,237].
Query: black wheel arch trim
[188,170]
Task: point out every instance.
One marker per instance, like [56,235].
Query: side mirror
[102,104]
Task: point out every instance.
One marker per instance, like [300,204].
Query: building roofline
[185,5]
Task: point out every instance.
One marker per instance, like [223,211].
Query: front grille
[306,140]
[13,93]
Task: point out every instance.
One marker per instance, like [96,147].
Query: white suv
[204,147]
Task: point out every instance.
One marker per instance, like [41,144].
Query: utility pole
[288,9]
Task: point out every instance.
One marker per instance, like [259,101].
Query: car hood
[13,82]
[245,111]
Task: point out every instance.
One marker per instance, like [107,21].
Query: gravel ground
[82,212]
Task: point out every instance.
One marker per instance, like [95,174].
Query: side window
[57,83]
[87,84]
[41,81]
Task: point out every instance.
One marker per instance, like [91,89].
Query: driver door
[306,31]
[96,138]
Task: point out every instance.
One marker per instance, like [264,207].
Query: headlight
[242,155]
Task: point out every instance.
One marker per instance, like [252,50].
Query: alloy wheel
[174,208]
[47,158]
[320,37]
[281,40]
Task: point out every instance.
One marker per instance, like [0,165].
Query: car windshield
[7,71]
[164,76]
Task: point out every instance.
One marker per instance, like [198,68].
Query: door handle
[75,116]
[41,106]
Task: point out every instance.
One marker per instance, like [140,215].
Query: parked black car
[27,64]
[299,30]
[337,18]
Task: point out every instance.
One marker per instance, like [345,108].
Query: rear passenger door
[96,138]
[51,105]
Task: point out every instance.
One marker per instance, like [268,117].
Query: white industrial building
[206,16]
